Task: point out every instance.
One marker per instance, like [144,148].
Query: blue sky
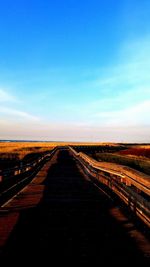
[75,70]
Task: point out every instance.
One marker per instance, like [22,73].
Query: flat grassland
[137,151]
[23,148]
[11,152]
[136,156]
[133,155]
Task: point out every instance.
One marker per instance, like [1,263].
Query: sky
[75,70]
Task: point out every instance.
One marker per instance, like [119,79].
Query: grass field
[11,153]
[139,163]
[23,148]
[135,156]
[137,151]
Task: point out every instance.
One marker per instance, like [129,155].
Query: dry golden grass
[7,149]
[21,149]
[143,146]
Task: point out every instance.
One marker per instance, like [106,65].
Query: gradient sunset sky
[75,70]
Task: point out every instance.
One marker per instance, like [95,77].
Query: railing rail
[130,185]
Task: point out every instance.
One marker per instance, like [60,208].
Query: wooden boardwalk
[62,218]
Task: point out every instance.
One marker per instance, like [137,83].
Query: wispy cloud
[73,132]
[114,106]
[134,115]
[6,97]
[124,89]
[14,113]
[132,67]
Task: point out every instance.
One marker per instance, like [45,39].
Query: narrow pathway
[71,225]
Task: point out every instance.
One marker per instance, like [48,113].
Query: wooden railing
[131,186]
[26,167]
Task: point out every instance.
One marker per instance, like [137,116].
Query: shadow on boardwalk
[72,225]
